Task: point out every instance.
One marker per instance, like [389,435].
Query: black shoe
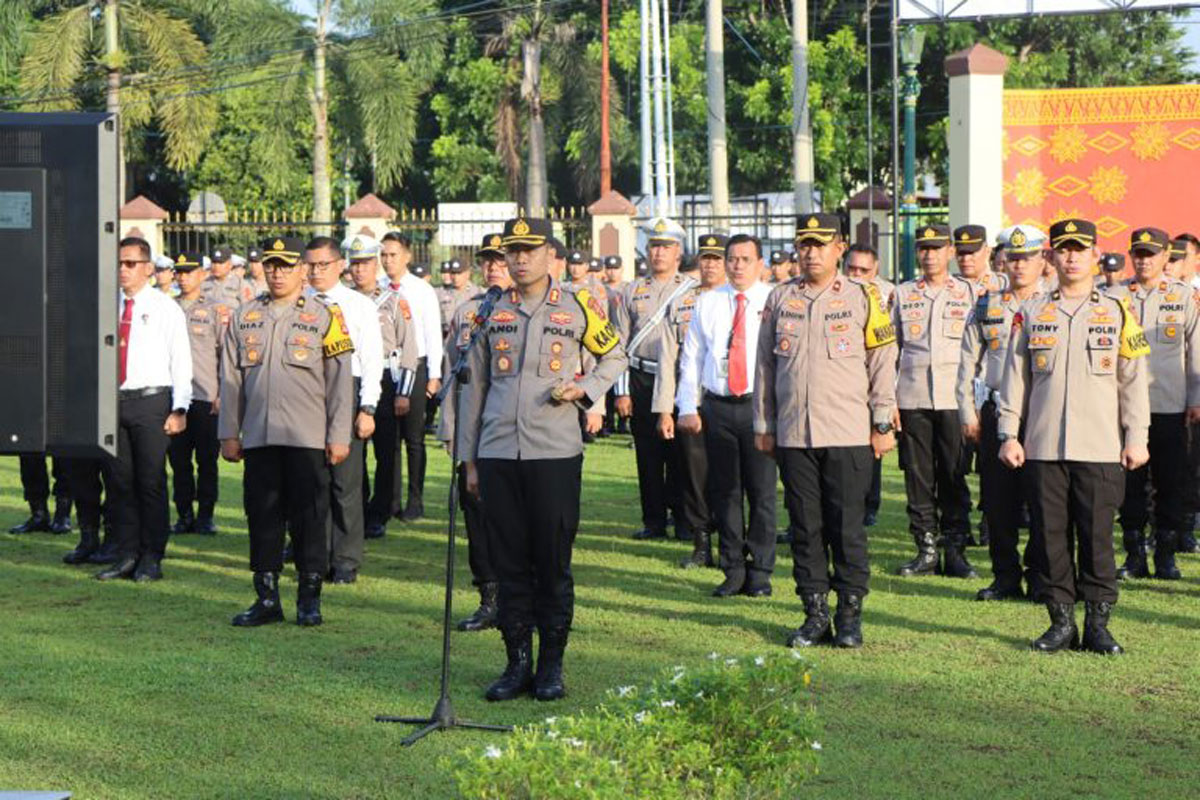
[548,680]
[682,533]
[412,512]
[123,568]
[847,620]
[701,553]
[485,616]
[89,542]
[784,536]
[38,522]
[732,585]
[149,568]
[343,575]
[375,530]
[266,608]
[185,524]
[1136,550]
[926,562]
[757,588]
[1187,543]
[817,626]
[106,553]
[646,534]
[870,519]
[1164,556]
[62,516]
[955,564]
[588,438]
[1096,638]
[1062,633]
[517,678]
[999,591]
[205,527]
[308,600]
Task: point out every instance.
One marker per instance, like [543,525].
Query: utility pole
[605,147]
[802,157]
[319,101]
[660,140]
[112,91]
[718,160]
[670,105]
[647,156]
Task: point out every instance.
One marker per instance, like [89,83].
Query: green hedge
[731,728]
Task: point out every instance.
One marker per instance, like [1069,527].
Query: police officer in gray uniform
[200,436]
[287,407]
[523,452]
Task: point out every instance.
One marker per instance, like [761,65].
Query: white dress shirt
[362,319]
[427,319]
[704,362]
[158,352]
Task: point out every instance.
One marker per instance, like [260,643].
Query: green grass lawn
[123,690]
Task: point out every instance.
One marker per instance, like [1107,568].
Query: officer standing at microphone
[1076,381]
[523,453]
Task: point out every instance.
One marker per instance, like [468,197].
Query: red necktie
[737,350]
[126,329]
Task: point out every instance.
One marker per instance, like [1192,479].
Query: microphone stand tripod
[443,716]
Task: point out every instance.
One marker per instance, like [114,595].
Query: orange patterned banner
[1123,157]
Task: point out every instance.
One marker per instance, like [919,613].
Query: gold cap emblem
[660,226]
[710,241]
[182,259]
[813,222]
[1070,227]
[930,233]
[495,241]
[520,228]
[964,237]
[1017,239]
[278,245]
[356,244]
[1145,237]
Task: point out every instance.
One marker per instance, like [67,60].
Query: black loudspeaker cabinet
[59,202]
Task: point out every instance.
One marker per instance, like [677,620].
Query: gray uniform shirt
[399,338]
[286,378]
[1077,376]
[227,293]
[204,333]
[1168,313]
[531,347]
[641,299]
[826,368]
[672,333]
[930,322]
[985,349]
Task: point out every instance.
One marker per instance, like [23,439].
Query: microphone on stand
[482,315]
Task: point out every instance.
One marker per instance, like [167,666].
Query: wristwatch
[367,410]
[883,428]
[179,411]
[1004,437]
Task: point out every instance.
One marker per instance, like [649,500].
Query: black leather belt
[149,391]
[728,398]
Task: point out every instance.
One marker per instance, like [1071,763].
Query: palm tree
[151,62]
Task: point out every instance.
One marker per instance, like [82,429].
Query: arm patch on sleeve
[879,331]
[599,335]
[337,338]
[1133,338]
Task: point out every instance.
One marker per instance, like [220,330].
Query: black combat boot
[89,543]
[548,681]
[308,599]
[998,590]
[186,523]
[1062,633]
[1096,638]
[1187,542]
[517,678]
[266,608]
[1136,549]
[484,616]
[847,620]
[1164,556]
[816,628]
[62,516]
[926,562]
[106,553]
[701,551]
[38,522]
[955,564]
[204,523]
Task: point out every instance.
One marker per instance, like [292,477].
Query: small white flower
[759,661]
[551,735]
[578,785]
[624,691]
[796,655]
[574,742]
[730,661]
[551,720]
[700,695]
[640,716]
[492,752]
[667,704]
[713,656]
[816,745]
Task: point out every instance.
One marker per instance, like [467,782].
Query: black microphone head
[493,294]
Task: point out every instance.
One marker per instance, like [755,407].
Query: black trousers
[83,476]
[533,515]
[345,531]
[824,489]
[200,438]
[35,480]
[737,470]
[657,459]
[411,435]
[136,479]
[479,552]
[933,476]
[1167,472]
[1003,495]
[875,491]
[694,514]
[1071,508]
[1193,477]
[287,489]
[379,506]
